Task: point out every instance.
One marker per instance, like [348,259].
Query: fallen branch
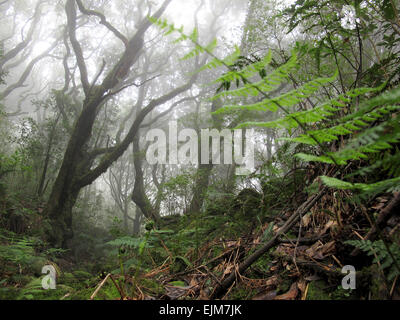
[212,262]
[304,208]
[306,240]
[102,284]
[99,286]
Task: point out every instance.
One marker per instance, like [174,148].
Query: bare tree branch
[19,47]
[70,9]
[28,69]
[121,147]
[103,21]
[67,73]
[23,97]
[164,113]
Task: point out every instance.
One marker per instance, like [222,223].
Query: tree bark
[204,170]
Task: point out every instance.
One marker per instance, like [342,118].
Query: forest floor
[192,256]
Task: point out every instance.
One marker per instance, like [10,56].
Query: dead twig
[99,286]
[122,294]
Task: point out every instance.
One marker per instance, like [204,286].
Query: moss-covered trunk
[66,187]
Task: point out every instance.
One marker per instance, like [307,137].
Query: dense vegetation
[82,84]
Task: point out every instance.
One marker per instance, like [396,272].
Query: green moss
[241,293]
[81,275]
[378,285]
[9,293]
[21,279]
[107,292]
[34,291]
[43,229]
[152,285]
[342,294]
[316,291]
[261,267]
[179,264]
[283,286]
[83,294]
[36,266]
[264,262]
[67,279]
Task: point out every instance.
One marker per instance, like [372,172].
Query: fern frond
[383,257]
[373,127]
[288,99]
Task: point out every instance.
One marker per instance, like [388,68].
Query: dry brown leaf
[319,251]
[203,295]
[327,226]
[378,206]
[273,268]
[272,281]
[228,269]
[268,295]
[230,244]
[302,284]
[313,249]
[328,248]
[306,220]
[193,282]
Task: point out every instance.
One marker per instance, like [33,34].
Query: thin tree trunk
[139,194]
[40,190]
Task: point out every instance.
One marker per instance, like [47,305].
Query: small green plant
[386,258]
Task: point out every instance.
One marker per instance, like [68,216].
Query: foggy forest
[199,150]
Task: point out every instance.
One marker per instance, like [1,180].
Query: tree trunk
[60,213]
[137,222]
[42,180]
[139,195]
[200,187]
[204,170]
[159,186]
[126,216]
